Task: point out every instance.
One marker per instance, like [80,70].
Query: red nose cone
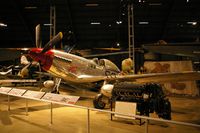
[45,59]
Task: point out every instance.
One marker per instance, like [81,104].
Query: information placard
[34,94]
[61,98]
[5,90]
[127,108]
[17,81]
[17,92]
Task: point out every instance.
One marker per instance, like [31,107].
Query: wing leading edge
[161,77]
[145,78]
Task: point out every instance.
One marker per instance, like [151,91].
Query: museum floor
[74,120]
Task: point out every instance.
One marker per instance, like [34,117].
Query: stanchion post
[8,103]
[26,107]
[88,120]
[111,115]
[146,125]
[51,106]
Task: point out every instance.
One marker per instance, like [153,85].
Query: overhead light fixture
[118,44]
[25,49]
[188,0]
[192,23]
[144,22]
[141,1]
[30,7]
[155,4]
[179,25]
[47,24]
[196,62]
[3,25]
[95,23]
[119,22]
[92,4]
[196,52]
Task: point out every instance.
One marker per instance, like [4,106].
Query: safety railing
[146,119]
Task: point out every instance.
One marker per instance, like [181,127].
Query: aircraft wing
[182,49]
[146,78]
[5,73]
[159,77]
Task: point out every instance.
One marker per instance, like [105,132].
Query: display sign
[18,81]
[34,94]
[17,92]
[40,95]
[127,108]
[61,98]
[5,90]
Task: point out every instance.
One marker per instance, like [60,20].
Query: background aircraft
[181,49]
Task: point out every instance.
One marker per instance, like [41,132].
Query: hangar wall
[182,88]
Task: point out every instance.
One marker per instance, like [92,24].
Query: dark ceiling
[169,20]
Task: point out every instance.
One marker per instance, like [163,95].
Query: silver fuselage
[69,67]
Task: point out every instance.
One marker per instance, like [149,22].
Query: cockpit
[109,65]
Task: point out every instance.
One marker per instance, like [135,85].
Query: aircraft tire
[98,103]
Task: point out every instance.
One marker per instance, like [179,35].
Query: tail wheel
[98,102]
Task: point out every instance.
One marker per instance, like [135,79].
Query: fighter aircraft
[76,69]
[190,49]
[20,70]
[5,70]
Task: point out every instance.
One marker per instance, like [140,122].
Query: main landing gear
[98,102]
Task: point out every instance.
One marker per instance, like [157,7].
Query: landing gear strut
[56,86]
[98,102]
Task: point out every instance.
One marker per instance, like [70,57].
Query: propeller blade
[56,40]
[38,41]
[24,60]
[24,72]
[28,70]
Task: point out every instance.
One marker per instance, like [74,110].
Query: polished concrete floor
[74,120]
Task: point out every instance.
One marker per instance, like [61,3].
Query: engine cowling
[106,90]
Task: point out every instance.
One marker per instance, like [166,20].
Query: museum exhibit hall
[93,66]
